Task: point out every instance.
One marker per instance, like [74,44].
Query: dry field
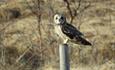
[28,41]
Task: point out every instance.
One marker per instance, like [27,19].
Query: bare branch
[69,9]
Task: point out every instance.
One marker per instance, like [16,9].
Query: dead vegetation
[27,40]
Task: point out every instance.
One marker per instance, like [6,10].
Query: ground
[28,41]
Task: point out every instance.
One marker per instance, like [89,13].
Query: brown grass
[22,47]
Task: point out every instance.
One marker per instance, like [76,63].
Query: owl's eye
[56,17]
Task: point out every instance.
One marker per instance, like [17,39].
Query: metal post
[64,59]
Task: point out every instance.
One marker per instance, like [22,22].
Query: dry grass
[27,43]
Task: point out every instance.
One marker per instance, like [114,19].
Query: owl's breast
[60,33]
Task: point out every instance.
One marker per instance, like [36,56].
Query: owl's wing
[70,30]
[73,33]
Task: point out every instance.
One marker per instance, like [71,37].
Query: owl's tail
[82,41]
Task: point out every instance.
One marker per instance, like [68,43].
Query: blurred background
[28,41]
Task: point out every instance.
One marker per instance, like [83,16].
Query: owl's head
[59,19]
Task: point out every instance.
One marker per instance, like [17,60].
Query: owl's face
[59,19]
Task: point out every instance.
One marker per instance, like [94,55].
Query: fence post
[64,58]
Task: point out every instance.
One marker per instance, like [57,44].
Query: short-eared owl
[67,31]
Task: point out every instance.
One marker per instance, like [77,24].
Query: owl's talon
[65,41]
